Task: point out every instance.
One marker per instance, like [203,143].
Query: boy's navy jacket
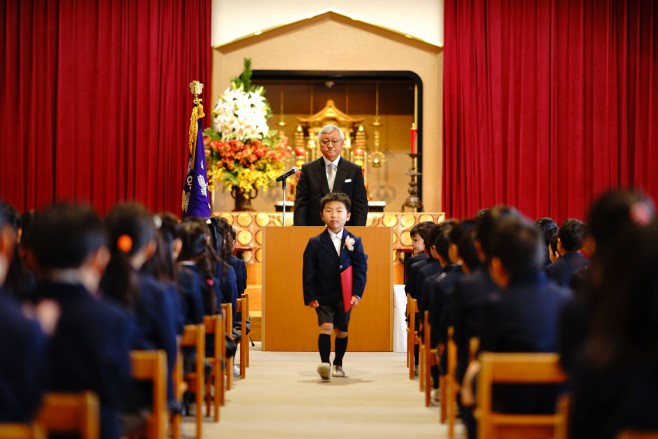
[90,349]
[322,268]
[22,363]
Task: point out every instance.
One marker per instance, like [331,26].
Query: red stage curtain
[548,103]
[95,103]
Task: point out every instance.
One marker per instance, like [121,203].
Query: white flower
[241,115]
[349,243]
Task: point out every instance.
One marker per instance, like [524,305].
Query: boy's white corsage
[349,243]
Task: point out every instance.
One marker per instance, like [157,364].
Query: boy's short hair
[336,196]
[486,221]
[519,246]
[5,217]
[571,234]
[421,229]
[11,215]
[548,227]
[434,235]
[552,243]
[441,242]
[65,235]
[467,251]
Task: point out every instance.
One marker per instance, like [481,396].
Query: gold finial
[196,88]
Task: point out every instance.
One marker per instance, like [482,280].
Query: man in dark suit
[326,256]
[330,173]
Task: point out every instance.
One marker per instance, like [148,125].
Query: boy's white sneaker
[324,370]
[338,371]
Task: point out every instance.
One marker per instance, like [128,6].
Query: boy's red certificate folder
[346,286]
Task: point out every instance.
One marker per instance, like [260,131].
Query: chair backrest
[71,413]
[180,386]
[412,336]
[629,434]
[243,309]
[152,366]
[22,431]
[227,312]
[516,368]
[195,336]
[451,378]
[214,325]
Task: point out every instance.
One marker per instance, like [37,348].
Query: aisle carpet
[283,397]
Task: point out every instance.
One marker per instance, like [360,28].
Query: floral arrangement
[241,151]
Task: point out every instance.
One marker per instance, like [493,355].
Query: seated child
[22,346]
[90,348]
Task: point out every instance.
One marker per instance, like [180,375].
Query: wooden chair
[152,366]
[22,431]
[630,434]
[244,340]
[412,335]
[563,409]
[195,336]
[243,343]
[70,413]
[429,357]
[451,381]
[180,386]
[227,312]
[215,326]
[517,368]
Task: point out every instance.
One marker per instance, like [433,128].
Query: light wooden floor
[283,397]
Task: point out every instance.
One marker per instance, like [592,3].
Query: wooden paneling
[289,325]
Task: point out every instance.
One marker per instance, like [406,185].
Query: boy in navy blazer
[326,256]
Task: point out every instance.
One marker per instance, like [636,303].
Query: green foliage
[245,77]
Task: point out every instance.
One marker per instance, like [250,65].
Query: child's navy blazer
[322,268]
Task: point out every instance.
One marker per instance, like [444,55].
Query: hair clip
[125,243]
[640,213]
[157,221]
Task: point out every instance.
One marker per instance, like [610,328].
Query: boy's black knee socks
[341,348]
[324,346]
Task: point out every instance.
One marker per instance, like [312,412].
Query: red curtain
[548,103]
[95,103]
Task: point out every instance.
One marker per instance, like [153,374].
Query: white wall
[233,19]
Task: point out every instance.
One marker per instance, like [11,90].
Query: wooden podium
[289,325]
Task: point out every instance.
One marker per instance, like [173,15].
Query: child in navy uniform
[325,257]
[90,348]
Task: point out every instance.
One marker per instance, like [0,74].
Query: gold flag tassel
[197,112]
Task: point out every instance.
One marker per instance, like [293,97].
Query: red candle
[413,133]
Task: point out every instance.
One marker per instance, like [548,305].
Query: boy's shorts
[335,315]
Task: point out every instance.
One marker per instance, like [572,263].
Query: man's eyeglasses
[326,142]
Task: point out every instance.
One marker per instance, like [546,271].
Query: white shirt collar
[327,162]
[338,235]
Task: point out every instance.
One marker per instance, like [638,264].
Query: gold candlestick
[413,201]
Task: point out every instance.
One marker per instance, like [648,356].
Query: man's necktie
[331,176]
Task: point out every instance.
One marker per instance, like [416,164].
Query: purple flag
[196,201]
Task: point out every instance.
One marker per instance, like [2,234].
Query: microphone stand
[283,185]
